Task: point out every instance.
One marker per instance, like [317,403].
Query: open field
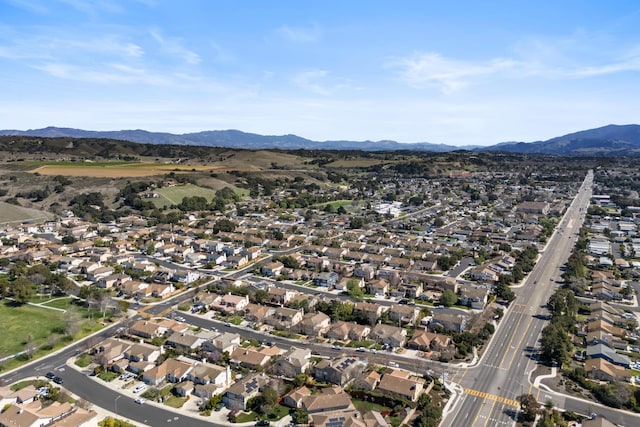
[21,321]
[13,213]
[174,195]
[115,169]
[41,326]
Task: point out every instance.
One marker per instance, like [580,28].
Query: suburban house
[314,324]
[171,370]
[230,304]
[343,331]
[225,342]
[328,400]
[369,311]
[449,321]
[338,371]
[393,336]
[207,373]
[602,370]
[326,279]
[272,269]
[249,358]
[293,399]
[295,361]
[378,287]
[238,394]
[404,314]
[474,296]
[280,296]
[184,342]
[285,318]
[398,384]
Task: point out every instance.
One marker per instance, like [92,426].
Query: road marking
[490,411]
[492,397]
[494,367]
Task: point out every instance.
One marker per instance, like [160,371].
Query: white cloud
[312,81]
[543,60]
[449,75]
[173,46]
[298,34]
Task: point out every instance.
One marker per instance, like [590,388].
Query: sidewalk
[189,409]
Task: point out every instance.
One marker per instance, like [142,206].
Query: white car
[140,400]
[393,364]
[139,388]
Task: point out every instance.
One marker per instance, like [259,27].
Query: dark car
[57,380]
[50,375]
[262,423]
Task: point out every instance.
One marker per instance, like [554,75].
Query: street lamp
[116,402]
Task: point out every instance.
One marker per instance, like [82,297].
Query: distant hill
[608,140]
[232,139]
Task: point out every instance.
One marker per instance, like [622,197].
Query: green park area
[32,330]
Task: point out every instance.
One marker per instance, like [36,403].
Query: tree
[504,292]
[21,289]
[555,344]
[448,298]
[224,225]
[356,222]
[4,287]
[529,406]
[563,303]
[300,416]
[353,288]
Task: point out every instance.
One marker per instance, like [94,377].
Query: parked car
[262,423]
[57,380]
[140,400]
[50,375]
[139,388]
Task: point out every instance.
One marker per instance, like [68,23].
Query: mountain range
[615,140]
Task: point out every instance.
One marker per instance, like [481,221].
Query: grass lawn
[175,401]
[42,327]
[62,303]
[246,417]
[363,343]
[83,360]
[20,385]
[108,376]
[277,412]
[21,321]
[364,406]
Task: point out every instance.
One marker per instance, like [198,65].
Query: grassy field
[113,169]
[13,213]
[173,195]
[21,321]
[41,326]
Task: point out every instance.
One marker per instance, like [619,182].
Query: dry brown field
[119,170]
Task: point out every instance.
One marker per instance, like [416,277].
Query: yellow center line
[512,337]
[490,411]
[519,343]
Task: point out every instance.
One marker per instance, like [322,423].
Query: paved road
[490,388]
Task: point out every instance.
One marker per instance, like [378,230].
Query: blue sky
[459,72]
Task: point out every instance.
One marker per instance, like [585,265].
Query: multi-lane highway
[489,390]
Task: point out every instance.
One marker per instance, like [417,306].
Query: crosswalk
[493,397]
